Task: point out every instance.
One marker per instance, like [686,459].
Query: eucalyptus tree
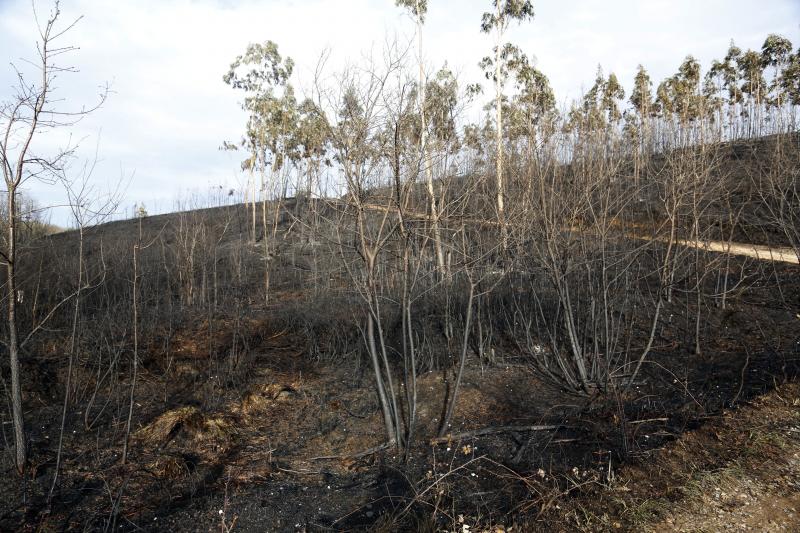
[311,143]
[475,139]
[686,84]
[642,95]
[713,92]
[776,52]
[589,117]
[418,9]
[790,79]
[259,73]
[442,106]
[730,75]
[751,72]
[506,58]
[534,105]
[532,115]
[612,94]
[681,101]
[263,74]
[598,115]
[443,103]
[641,100]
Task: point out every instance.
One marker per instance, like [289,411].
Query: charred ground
[255,405]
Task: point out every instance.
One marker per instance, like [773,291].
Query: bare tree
[32,110]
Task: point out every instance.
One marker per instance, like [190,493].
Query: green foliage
[353,129]
[266,69]
[270,135]
[713,85]
[418,8]
[534,105]
[789,79]
[751,71]
[776,52]
[642,94]
[599,108]
[506,11]
[441,99]
[612,93]
[731,73]
[508,59]
[311,134]
[681,94]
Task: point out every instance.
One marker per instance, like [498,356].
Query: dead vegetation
[560,319]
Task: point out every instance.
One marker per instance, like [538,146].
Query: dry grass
[188,421]
[169,467]
[262,399]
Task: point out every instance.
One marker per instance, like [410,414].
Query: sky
[158,134]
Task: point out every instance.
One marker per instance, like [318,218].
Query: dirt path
[755,251]
[784,255]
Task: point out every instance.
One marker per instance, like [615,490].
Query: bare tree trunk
[501,209]
[426,160]
[72,347]
[13,341]
[136,249]
[376,367]
[451,407]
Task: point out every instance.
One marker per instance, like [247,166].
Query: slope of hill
[227,361]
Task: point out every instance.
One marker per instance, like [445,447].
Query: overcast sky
[164,59]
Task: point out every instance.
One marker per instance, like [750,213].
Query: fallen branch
[648,420]
[301,472]
[490,431]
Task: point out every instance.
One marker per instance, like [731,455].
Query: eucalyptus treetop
[751,71]
[533,105]
[311,134]
[776,53]
[441,100]
[790,79]
[680,94]
[418,8]
[730,73]
[600,106]
[267,69]
[263,74]
[505,12]
[612,94]
[642,94]
[713,85]
[507,57]
[589,116]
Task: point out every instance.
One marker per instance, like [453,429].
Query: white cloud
[169,110]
